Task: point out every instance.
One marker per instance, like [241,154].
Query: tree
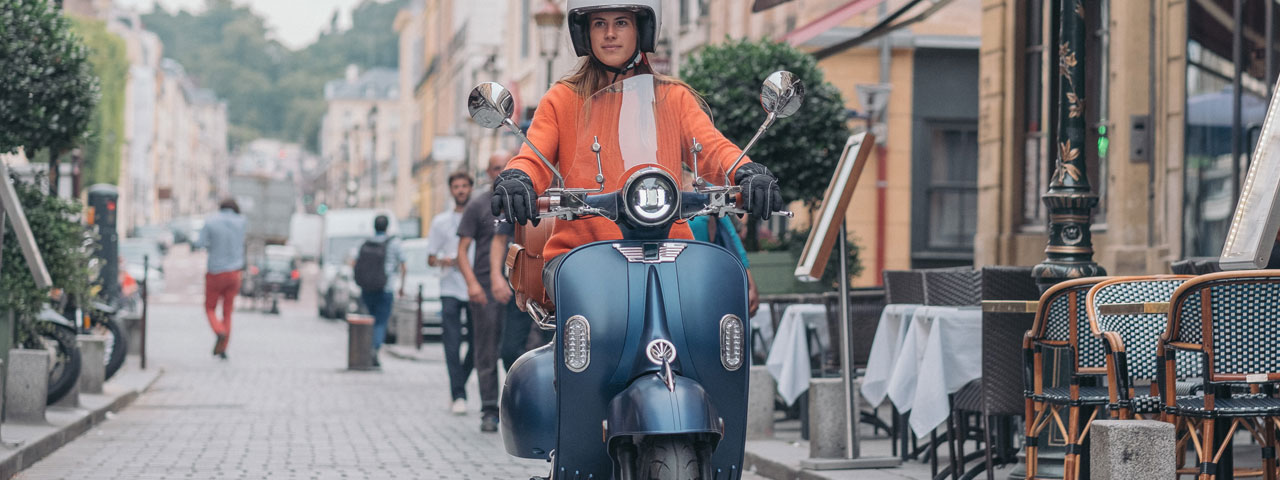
[47,90]
[801,150]
[106,133]
[64,245]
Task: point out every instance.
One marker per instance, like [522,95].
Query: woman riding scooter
[614,37]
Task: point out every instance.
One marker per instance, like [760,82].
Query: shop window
[1231,63]
[952,191]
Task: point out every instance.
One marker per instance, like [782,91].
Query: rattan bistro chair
[996,397]
[1061,324]
[1231,318]
[1130,342]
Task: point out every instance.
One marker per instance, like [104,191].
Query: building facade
[1172,111]
[359,138]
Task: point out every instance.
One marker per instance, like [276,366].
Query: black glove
[760,194]
[513,197]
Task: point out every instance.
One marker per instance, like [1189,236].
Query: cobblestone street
[282,406]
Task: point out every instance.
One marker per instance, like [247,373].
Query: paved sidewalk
[283,406]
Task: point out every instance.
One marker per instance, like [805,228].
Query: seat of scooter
[549,277]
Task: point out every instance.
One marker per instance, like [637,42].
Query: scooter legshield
[528,405]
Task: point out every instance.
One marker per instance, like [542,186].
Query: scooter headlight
[577,343]
[651,197]
[732,338]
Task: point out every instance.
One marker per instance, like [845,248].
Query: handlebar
[569,204]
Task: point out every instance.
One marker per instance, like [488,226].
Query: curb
[37,441]
[773,468]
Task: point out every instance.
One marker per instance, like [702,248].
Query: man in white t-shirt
[442,251]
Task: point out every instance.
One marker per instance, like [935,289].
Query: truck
[267,205]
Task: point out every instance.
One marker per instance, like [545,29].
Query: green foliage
[64,245]
[111,64]
[270,90]
[802,150]
[831,275]
[47,91]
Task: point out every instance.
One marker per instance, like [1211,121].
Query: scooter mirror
[782,94]
[490,104]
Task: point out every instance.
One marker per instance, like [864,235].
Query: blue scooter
[647,375]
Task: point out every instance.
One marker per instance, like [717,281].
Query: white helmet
[648,21]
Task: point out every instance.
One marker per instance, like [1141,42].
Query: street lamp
[550,20]
[373,153]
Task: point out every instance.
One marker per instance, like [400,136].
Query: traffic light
[322,208]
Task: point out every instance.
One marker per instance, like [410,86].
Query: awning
[831,20]
[885,26]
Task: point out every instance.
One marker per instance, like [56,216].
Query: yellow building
[915,206]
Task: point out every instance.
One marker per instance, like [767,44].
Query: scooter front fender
[647,407]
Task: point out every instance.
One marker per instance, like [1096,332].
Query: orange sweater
[555,131]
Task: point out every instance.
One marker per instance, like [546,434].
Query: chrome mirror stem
[768,121]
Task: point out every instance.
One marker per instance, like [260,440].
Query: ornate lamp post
[1070,199]
[550,21]
[373,155]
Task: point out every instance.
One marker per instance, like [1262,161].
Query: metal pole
[1237,127]
[142,347]
[846,354]
[1070,199]
[417,332]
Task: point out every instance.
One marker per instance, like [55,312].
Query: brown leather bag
[525,262]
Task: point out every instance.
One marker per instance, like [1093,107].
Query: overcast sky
[295,23]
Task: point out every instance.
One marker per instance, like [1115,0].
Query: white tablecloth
[789,355]
[939,351]
[890,331]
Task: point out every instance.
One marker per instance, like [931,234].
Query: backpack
[370,270]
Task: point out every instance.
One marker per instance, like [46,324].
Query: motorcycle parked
[647,375]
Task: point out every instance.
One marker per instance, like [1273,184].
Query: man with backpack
[379,258]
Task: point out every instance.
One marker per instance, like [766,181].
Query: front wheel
[117,345]
[59,341]
[669,458]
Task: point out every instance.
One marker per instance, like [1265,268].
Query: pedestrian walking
[442,252]
[476,229]
[376,264]
[223,237]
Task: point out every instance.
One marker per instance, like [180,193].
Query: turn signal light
[294,275]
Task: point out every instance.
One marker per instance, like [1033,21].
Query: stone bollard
[27,389]
[359,342]
[826,418]
[1130,449]
[93,362]
[760,403]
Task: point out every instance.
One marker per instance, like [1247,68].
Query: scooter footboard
[647,407]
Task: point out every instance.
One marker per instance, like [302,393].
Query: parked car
[276,270]
[132,253]
[187,230]
[418,273]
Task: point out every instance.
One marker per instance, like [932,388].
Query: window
[952,191]
[1222,124]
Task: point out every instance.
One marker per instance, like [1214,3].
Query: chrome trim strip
[667,252]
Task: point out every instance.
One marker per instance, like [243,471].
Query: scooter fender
[648,407]
[528,405]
